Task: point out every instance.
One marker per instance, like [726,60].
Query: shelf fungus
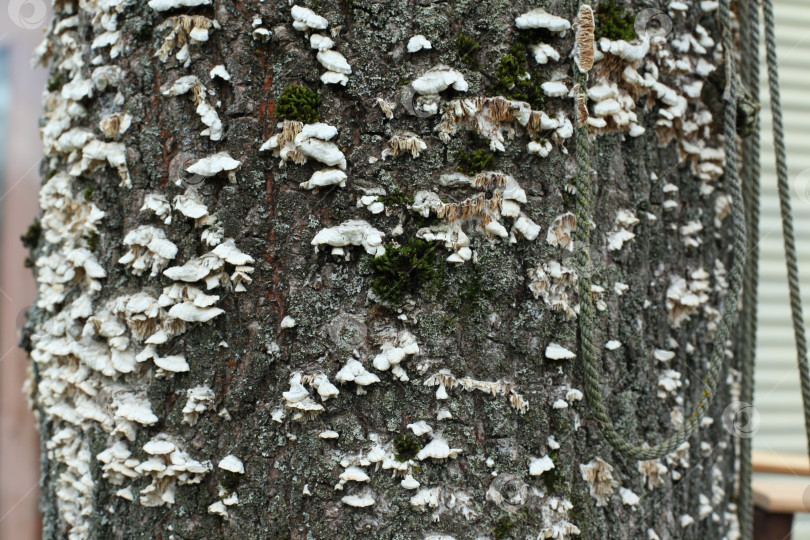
[445,380]
[556,284]
[438,79]
[299,399]
[394,352]
[560,231]
[437,449]
[166,5]
[418,43]
[684,296]
[232,464]
[543,52]
[199,399]
[298,141]
[351,233]
[584,44]
[169,466]
[540,18]
[404,142]
[326,177]
[352,474]
[354,372]
[221,162]
[158,205]
[96,152]
[149,249]
[186,30]
[305,19]
[599,476]
[208,114]
[538,466]
[620,235]
[361,500]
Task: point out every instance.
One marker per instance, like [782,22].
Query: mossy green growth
[397,199]
[88,193]
[614,22]
[514,81]
[405,447]
[475,162]
[230,480]
[298,103]
[31,237]
[144,33]
[403,269]
[92,240]
[503,527]
[467,48]
[55,83]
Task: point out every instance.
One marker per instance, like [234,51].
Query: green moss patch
[298,103]
[403,269]
[614,22]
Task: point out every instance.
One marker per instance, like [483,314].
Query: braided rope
[592,365]
[749,39]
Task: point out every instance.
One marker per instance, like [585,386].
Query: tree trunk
[253,325]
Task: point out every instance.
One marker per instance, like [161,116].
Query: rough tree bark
[201,371]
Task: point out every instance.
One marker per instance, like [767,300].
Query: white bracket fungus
[215,164]
[354,371]
[185,30]
[538,466]
[599,476]
[287,322]
[208,114]
[359,501]
[394,352]
[305,19]
[543,52]
[199,400]
[420,428]
[232,463]
[440,78]
[221,72]
[149,249]
[159,205]
[326,177]
[628,497]
[540,18]
[404,142]
[297,141]
[417,43]
[351,233]
[334,62]
[166,5]
[444,379]
[556,285]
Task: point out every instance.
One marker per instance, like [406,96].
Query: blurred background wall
[777,390]
[777,396]
[21,29]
